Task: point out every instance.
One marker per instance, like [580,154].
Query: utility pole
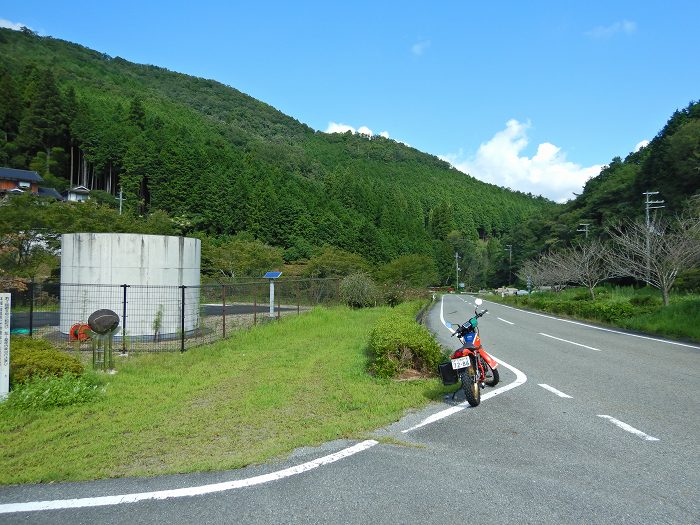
[457,269]
[650,205]
[509,247]
[121,198]
[585,226]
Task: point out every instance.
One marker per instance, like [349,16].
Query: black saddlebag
[448,375]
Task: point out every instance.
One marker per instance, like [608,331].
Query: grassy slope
[256,396]
[681,319]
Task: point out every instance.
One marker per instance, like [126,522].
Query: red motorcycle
[471,364]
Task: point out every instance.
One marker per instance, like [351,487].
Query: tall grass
[261,394]
[622,306]
[680,319]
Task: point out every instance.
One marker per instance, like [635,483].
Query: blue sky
[532,95]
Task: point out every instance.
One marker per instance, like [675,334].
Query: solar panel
[272,275]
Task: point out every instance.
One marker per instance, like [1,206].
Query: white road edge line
[628,428]
[520,378]
[504,320]
[554,390]
[658,340]
[570,342]
[32,506]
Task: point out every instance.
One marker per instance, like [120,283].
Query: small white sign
[4,345]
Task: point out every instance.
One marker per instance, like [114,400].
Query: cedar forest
[195,157]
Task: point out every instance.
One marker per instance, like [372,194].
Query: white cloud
[640,145]
[625,27]
[336,127]
[420,47]
[500,161]
[16,26]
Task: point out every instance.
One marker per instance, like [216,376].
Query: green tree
[43,124]
[416,271]
[334,262]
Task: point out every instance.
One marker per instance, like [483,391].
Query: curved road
[589,429]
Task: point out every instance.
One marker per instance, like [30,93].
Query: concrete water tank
[94,266]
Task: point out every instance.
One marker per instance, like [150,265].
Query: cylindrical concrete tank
[95,266]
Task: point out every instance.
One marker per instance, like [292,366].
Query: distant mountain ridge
[220,162]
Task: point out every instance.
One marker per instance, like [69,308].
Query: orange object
[79,332]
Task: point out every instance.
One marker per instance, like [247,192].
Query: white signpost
[272,276]
[4,345]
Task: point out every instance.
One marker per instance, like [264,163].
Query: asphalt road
[622,448]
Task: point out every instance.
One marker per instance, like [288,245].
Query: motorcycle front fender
[486,357]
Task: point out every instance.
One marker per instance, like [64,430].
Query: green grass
[681,319]
[299,382]
[637,309]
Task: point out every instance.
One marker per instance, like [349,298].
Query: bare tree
[545,271]
[656,254]
[587,264]
[530,269]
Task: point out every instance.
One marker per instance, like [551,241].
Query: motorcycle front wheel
[472,390]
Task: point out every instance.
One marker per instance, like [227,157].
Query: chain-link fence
[161,318]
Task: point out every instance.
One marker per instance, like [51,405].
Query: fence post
[298,299]
[223,309]
[31,308]
[124,286]
[182,320]
[279,294]
[255,303]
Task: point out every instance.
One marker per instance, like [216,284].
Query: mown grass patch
[298,382]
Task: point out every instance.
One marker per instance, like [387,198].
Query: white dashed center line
[628,428]
[554,390]
[570,342]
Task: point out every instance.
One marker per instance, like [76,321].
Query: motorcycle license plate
[460,362]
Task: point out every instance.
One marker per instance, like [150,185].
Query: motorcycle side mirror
[478,301]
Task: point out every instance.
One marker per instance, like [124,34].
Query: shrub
[41,392]
[398,343]
[688,281]
[358,290]
[645,300]
[37,357]
[394,294]
[608,312]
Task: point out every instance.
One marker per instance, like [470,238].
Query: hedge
[398,343]
[37,357]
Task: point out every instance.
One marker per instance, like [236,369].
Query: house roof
[79,189]
[50,192]
[23,175]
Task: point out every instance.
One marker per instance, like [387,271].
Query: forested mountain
[669,164]
[221,163]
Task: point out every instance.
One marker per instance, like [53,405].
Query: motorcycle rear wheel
[472,390]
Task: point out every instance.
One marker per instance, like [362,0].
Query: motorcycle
[471,364]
